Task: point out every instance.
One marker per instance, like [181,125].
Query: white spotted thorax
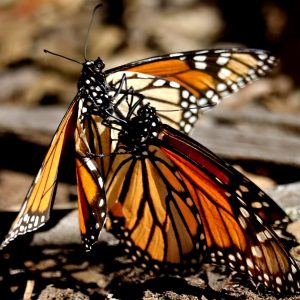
[93,90]
[94,104]
[140,129]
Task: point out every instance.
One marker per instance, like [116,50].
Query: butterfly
[179,85]
[171,202]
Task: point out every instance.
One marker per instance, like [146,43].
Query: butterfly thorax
[93,89]
[140,130]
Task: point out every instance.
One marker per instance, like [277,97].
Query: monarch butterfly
[171,201]
[182,82]
[178,85]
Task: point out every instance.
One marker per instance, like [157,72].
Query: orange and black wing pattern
[82,123]
[260,203]
[150,212]
[179,85]
[174,203]
[236,231]
[91,201]
[90,138]
[35,210]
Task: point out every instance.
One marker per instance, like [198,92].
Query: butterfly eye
[99,65]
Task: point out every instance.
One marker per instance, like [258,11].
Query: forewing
[35,210]
[92,139]
[179,85]
[235,235]
[152,214]
[91,201]
[236,183]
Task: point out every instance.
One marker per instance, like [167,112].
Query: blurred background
[257,129]
[36,88]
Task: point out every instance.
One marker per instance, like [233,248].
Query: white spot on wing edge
[222,60]
[261,237]
[185,94]
[221,87]
[263,56]
[187,128]
[159,82]
[200,57]
[174,84]
[100,181]
[200,65]
[101,202]
[90,165]
[36,222]
[242,222]
[209,93]
[244,212]
[175,54]
[249,263]
[256,251]
[224,73]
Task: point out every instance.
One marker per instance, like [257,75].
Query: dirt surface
[52,264]
[69,273]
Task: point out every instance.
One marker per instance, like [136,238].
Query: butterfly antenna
[65,57]
[89,29]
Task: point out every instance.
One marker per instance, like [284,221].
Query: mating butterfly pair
[171,201]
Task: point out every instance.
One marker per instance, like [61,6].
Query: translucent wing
[175,202]
[179,85]
[235,235]
[91,137]
[35,210]
[242,187]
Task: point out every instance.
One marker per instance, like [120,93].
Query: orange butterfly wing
[259,201]
[35,210]
[180,85]
[206,69]
[235,235]
[91,201]
[174,203]
[149,213]
[179,71]
[90,181]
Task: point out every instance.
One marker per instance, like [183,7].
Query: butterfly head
[93,70]
[96,66]
[140,129]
